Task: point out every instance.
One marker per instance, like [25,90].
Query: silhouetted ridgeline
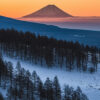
[48,51]
[20,84]
[83,36]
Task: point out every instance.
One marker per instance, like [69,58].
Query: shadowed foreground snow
[90,83]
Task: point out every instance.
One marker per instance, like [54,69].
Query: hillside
[89,83]
[83,36]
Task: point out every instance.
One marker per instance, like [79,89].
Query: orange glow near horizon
[19,8]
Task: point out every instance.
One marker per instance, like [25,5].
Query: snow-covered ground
[90,83]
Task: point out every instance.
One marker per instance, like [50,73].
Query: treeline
[20,84]
[48,51]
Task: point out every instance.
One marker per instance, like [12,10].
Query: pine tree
[68,92]
[18,67]
[56,89]
[10,71]
[1,97]
[48,89]
[34,78]
[78,95]
[28,77]
[40,89]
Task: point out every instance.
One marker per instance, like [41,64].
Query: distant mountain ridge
[50,11]
[83,36]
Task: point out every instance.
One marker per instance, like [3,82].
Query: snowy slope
[90,83]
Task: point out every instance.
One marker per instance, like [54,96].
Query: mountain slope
[90,83]
[49,11]
[83,36]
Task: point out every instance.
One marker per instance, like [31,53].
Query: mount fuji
[50,11]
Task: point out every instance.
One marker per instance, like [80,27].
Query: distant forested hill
[83,36]
[48,51]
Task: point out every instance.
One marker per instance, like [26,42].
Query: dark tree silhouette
[1,97]
[48,51]
[23,85]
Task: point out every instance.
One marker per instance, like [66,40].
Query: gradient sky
[18,8]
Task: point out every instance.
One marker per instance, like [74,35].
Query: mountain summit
[50,11]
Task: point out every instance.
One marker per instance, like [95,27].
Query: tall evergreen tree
[56,89]
[1,97]
[48,89]
[68,93]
